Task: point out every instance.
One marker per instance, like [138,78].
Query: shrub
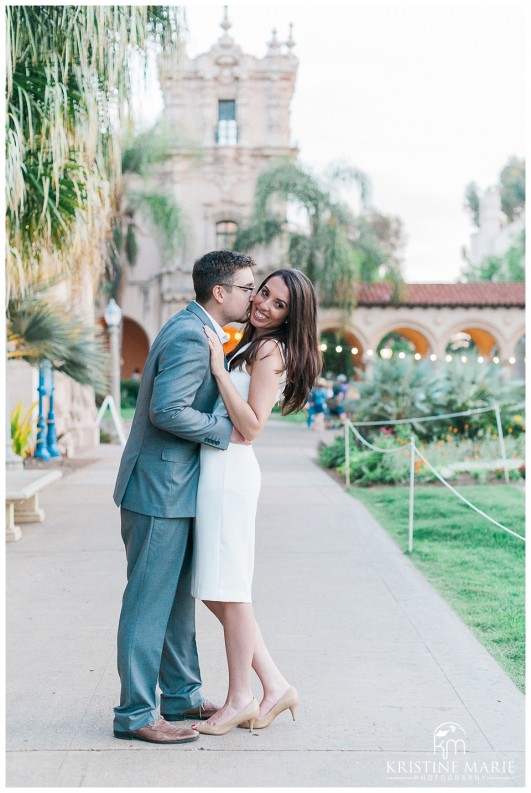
[21,430]
[450,456]
[129,393]
[406,389]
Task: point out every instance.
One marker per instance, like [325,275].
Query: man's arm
[182,367]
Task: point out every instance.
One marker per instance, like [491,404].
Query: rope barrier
[456,493]
[415,452]
[371,445]
[474,411]
[423,418]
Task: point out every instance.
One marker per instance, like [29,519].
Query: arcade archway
[135,348]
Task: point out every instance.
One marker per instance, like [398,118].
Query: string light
[370,352]
[495,359]
[464,359]
[512,360]
[417,356]
[448,358]
[324,347]
[238,335]
[480,359]
[339,348]
[402,354]
[354,351]
[386,353]
[433,357]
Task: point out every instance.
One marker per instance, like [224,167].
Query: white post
[108,402]
[347,455]
[502,443]
[411,492]
[114,333]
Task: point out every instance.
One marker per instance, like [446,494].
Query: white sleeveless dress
[224,528]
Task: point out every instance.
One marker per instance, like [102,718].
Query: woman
[278,357]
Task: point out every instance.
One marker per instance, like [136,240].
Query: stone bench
[22,498]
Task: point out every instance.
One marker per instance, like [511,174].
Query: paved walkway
[378,658]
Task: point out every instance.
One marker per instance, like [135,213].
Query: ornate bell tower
[230,113]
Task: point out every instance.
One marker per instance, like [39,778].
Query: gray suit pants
[156,633]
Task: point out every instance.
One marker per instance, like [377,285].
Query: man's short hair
[217,267]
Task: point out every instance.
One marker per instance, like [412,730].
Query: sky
[424,97]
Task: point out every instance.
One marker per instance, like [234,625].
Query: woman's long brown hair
[298,337]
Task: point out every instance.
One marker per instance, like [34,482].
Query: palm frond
[39,331]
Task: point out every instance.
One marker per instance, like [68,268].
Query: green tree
[512,188]
[134,198]
[472,202]
[511,185]
[67,82]
[333,247]
[509,267]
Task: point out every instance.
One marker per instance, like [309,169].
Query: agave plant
[401,389]
[406,389]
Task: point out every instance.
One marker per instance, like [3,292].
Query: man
[156,491]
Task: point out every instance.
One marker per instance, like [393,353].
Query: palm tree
[135,196]
[38,330]
[67,80]
[334,248]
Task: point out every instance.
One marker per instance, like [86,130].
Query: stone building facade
[230,115]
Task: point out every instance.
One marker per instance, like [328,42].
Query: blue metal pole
[51,439]
[41,452]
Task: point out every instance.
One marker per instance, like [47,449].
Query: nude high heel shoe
[247,714]
[288,700]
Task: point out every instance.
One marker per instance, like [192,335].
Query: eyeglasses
[249,289]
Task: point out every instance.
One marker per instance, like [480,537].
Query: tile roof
[478,293]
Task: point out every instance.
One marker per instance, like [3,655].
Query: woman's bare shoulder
[268,348]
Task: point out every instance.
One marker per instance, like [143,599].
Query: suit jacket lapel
[196,309]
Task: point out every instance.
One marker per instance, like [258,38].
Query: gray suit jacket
[159,469]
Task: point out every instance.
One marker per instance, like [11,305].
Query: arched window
[226,231]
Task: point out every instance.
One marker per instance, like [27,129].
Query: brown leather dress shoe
[159,731]
[202,713]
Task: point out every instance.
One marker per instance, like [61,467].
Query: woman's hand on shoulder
[217,356]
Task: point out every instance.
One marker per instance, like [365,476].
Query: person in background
[340,391]
[317,405]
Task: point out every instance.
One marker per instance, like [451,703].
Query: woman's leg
[239,629]
[272,680]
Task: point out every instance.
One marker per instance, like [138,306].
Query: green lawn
[478,568]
